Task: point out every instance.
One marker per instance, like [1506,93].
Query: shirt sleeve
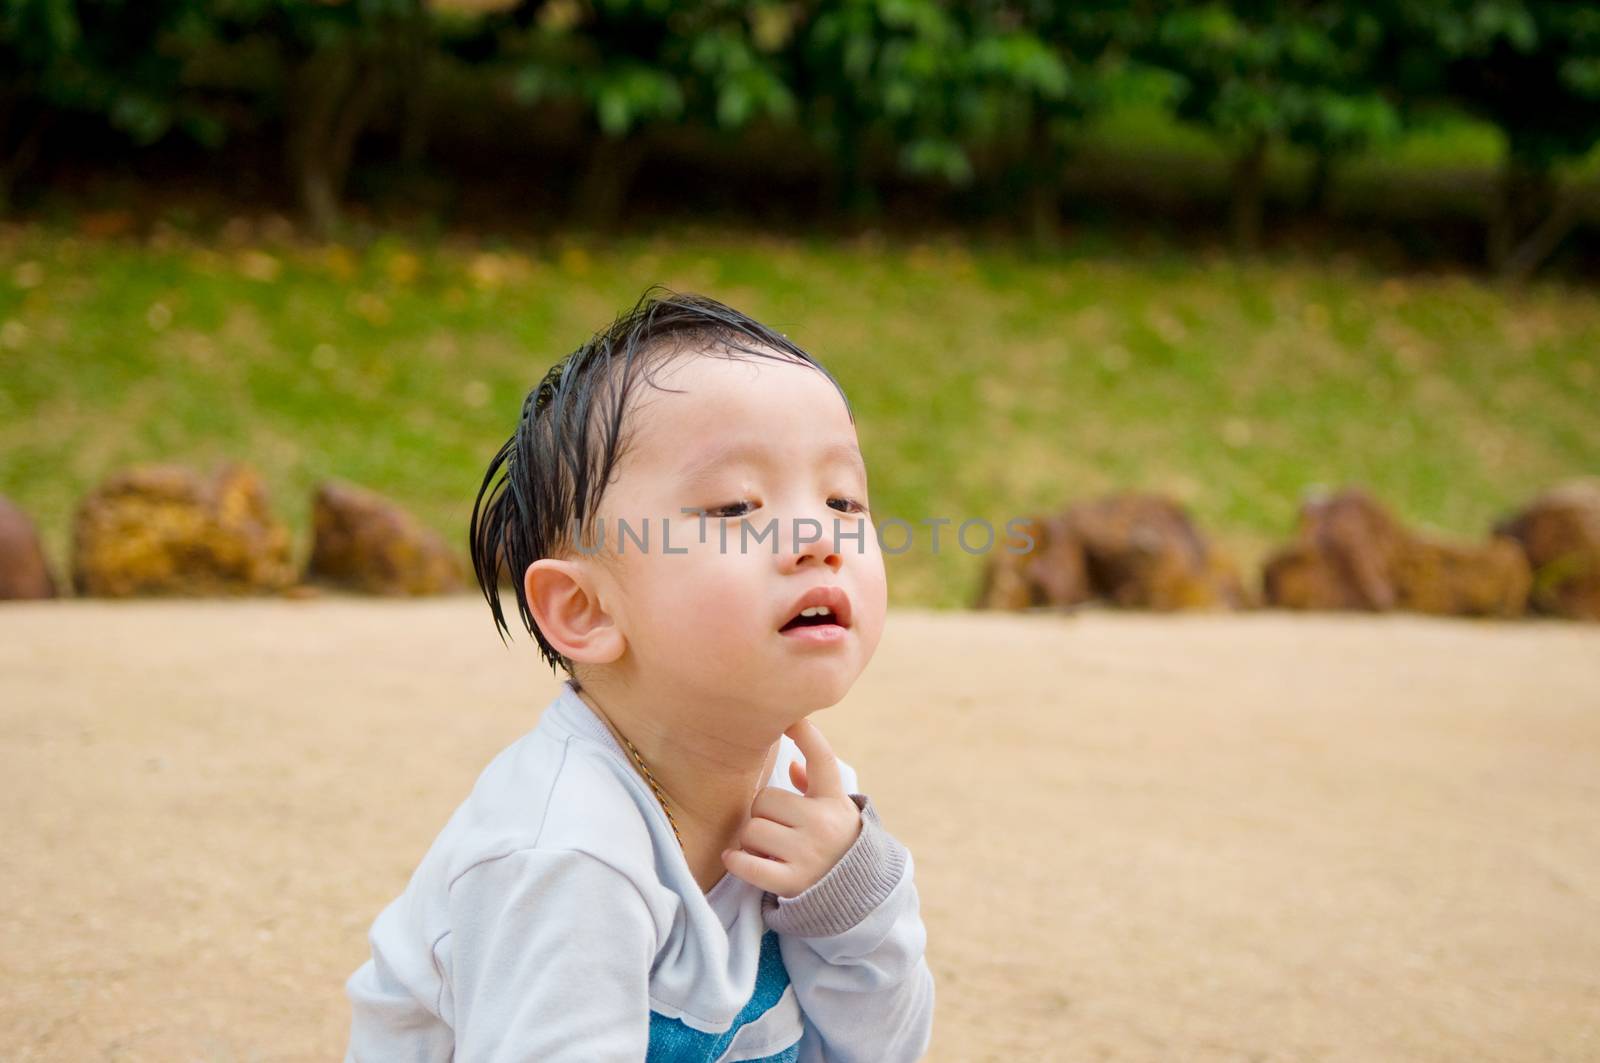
[853,943]
[550,960]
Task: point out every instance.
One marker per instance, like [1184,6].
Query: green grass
[987,382]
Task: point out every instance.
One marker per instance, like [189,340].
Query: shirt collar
[579,718]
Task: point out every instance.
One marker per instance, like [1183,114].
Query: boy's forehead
[712,398]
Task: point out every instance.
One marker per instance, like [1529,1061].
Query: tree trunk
[1249,179]
[602,192]
[1540,244]
[1528,202]
[859,198]
[19,158]
[318,198]
[1044,216]
[416,111]
[331,100]
[1319,188]
[1044,184]
[847,193]
[417,122]
[1502,229]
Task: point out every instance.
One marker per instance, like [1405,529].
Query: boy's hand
[790,841]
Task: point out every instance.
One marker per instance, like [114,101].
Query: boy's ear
[563,599]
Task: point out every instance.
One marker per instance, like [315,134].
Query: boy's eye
[847,505]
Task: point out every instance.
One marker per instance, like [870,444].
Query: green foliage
[120,61]
[259,50]
[890,69]
[1530,67]
[933,79]
[1300,73]
[997,91]
[631,64]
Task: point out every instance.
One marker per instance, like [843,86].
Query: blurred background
[1223,252]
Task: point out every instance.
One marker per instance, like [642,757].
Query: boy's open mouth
[809,621]
[819,607]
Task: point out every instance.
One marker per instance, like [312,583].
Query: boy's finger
[756,870]
[822,767]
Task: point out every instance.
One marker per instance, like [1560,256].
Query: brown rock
[1050,572]
[23,571]
[1143,551]
[1133,550]
[1343,556]
[1447,579]
[1560,534]
[165,530]
[1300,577]
[364,541]
[1349,552]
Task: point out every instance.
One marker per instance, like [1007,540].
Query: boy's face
[704,620]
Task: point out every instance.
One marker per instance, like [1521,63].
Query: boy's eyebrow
[702,468]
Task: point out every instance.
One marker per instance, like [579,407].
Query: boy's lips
[836,600]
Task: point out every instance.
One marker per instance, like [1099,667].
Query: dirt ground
[1266,837]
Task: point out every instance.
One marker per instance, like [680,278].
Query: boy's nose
[811,542]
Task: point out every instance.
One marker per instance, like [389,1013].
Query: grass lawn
[987,381]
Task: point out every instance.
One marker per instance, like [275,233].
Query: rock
[1051,572]
[1343,557]
[23,571]
[1134,550]
[1446,579]
[1301,577]
[1349,552]
[166,530]
[363,541]
[1560,534]
[1143,551]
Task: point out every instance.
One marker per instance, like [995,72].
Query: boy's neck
[709,761]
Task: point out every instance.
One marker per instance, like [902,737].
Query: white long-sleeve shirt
[555,918]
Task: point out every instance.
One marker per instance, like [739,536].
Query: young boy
[673,865]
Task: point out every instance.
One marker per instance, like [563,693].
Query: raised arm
[853,944]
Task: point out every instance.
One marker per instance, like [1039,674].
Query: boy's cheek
[706,605]
[879,607]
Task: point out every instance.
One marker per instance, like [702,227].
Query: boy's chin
[787,689]
[807,694]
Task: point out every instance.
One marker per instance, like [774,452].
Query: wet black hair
[555,467]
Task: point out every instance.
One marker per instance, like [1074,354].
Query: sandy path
[1137,838]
